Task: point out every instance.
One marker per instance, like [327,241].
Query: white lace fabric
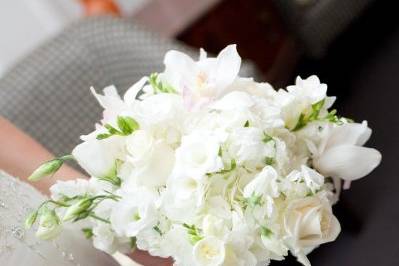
[20,247]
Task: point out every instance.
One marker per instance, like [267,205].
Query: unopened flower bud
[78,208]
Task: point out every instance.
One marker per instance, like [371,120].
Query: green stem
[92,215]
[67,157]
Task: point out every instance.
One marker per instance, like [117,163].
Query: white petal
[228,66]
[131,93]
[203,54]
[178,66]
[110,98]
[97,157]
[348,162]
[351,133]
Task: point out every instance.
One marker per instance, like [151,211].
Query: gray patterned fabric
[47,94]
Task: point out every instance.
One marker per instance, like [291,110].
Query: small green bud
[49,225]
[77,209]
[46,169]
[30,220]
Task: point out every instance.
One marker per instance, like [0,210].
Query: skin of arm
[20,155]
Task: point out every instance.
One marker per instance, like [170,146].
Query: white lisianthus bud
[49,225]
[76,209]
[30,220]
[209,251]
[46,169]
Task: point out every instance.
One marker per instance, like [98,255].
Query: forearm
[20,155]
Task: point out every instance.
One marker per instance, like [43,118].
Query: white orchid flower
[203,81]
[341,154]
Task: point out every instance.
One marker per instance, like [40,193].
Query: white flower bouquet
[209,168]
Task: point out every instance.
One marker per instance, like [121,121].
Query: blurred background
[52,51]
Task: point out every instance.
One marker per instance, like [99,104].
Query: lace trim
[17,200]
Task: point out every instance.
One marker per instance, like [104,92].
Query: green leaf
[193,233]
[112,130]
[316,108]
[133,243]
[266,138]
[103,136]
[264,231]
[233,166]
[269,160]
[158,86]
[114,180]
[302,121]
[127,124]
[254,200]
[88,232]
[156,228]
[246,124]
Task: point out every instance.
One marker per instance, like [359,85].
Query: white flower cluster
[209,168]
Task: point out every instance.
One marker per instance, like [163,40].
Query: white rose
[198,155]
[152,159]
[309,222]
[209,251]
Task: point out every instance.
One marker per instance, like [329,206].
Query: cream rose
[309,222]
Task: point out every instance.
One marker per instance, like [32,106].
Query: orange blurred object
[100,7]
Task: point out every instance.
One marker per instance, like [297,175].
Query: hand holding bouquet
[209,168]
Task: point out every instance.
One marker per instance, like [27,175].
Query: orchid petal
[348,162]
[351,133]
[227,66]
[178,67]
